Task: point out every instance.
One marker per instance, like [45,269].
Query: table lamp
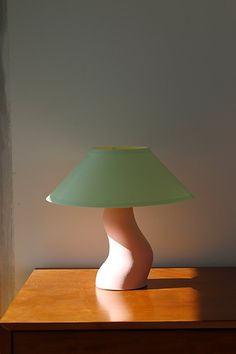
[118,178]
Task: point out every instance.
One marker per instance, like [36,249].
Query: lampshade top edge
[119,149]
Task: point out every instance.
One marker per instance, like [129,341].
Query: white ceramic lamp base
[130,255]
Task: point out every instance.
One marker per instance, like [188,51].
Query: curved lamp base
[130,255]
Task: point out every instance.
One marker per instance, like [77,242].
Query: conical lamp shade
[116,177]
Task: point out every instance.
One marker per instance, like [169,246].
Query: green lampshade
[113,177]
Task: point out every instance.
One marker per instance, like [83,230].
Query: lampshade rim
[119,205]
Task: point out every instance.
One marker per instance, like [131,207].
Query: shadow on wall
[6,244]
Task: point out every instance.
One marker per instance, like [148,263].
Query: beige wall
[6,234]
[156,73]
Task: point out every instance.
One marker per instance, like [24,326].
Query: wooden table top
[174,298]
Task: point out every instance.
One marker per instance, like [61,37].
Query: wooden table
[182,310]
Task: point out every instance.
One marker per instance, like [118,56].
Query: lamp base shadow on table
[208,293]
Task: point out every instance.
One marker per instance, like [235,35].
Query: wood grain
[174,298]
